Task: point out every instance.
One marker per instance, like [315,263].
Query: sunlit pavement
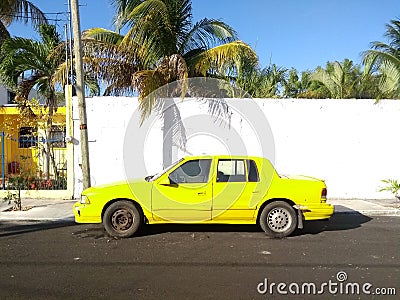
[58,260]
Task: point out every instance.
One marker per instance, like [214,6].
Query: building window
[27,137]
[11,97]
[57,137]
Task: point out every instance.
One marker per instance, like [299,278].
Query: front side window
[193,171]
[232,170]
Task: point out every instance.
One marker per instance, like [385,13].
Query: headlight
[84,200]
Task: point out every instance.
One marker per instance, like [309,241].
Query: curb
[69,219]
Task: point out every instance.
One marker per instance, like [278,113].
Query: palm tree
[262,83]
[341,79]
[26,64]
[18,10]
[385,57]
[162,46]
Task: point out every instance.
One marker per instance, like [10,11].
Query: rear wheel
[122,219]
[278,219]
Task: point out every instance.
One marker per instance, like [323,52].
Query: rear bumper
[317,211]
[82,214]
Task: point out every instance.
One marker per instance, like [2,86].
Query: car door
[236,190]
[184,194]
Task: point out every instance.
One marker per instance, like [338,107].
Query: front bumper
[318,211]
[83,213]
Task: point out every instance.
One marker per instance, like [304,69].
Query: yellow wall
[29,160]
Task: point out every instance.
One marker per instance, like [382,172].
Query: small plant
[18,181]
[392,186]
[15,199]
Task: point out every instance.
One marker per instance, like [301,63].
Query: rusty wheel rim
[122,219]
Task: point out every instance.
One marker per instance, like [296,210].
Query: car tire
[122,219]
[278,219]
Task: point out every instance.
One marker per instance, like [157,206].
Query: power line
[33,18]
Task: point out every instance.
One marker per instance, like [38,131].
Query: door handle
[201,193]
[256,192]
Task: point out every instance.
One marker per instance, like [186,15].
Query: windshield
[157,175]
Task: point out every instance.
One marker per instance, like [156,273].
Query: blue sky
[290,33]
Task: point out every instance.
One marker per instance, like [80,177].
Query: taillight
[323,194]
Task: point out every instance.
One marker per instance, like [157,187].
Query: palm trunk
[47,145]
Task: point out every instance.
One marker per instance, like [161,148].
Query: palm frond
[148,83]
[173,68]
[4,34]
[21,10]
[60,74]
[390,79]
[206,34]
[103,35]
[123,9]
[154,84]
[220,58]
[338,79]
[92,85]
[380,57]
[385,58]
[393,33]
[328,81]
[20,55]
[30,13]
[151,28]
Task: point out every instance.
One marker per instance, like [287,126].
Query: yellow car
[208,190]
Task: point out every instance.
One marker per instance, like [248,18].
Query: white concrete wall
[3,95]
[352,144]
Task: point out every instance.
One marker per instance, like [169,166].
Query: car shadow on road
[156,229]
[338,222]
[15,228]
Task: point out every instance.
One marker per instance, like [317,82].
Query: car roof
[222,156]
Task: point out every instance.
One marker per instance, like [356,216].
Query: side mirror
[165,181]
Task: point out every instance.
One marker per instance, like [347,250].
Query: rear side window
[252,171]
[231,170]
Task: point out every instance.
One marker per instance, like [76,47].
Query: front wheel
[278,219]
[122,219]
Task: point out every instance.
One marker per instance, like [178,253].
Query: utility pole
[80,92]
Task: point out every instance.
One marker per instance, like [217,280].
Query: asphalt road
[68,261]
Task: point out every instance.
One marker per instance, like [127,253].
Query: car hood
[116,184]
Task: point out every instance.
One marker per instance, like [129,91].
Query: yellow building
[23,151]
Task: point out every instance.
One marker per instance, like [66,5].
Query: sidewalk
[39,210]
[61,210]
[378,207]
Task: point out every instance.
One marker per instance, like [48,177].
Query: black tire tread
[138,219]
[267,229]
